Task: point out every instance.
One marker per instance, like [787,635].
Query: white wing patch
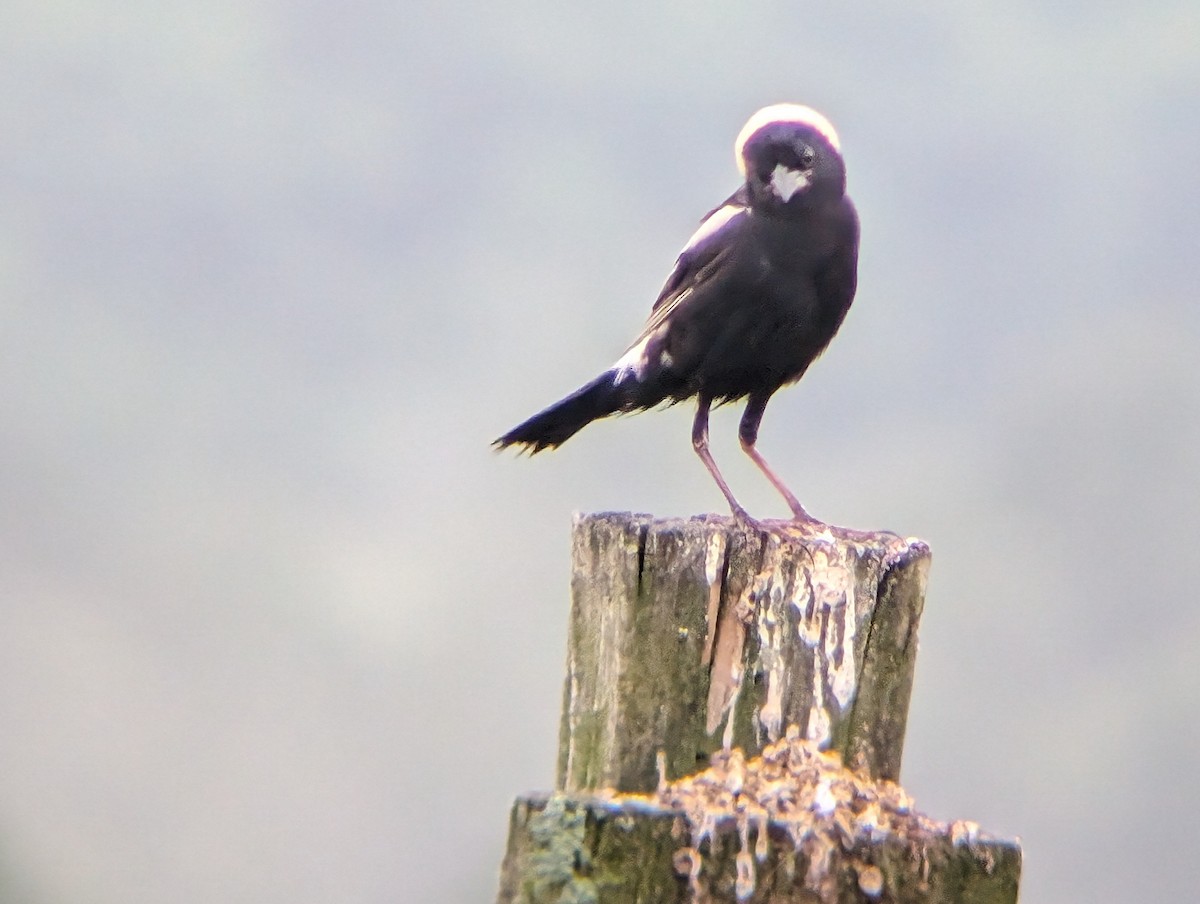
[633,363]
[712,226]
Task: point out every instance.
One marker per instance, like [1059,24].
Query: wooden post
[689,636]
[710,663]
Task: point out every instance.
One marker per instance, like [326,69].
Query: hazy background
[275,623]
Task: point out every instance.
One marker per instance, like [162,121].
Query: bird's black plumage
[754,298]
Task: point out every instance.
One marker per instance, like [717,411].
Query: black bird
[755,296]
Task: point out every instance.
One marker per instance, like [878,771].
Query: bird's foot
[744,517]
[807,526]
[805,523]
[821,530]
[800,515]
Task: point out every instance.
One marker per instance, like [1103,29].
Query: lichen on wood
[792,825]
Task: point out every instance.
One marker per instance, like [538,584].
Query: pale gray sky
[277,626]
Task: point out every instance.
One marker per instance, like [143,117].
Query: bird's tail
[605,395]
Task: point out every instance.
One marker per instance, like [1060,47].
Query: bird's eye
[807,157]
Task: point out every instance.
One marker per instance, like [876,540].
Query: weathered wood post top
[692,635]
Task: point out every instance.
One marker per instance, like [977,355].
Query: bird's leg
[748,434]
[700,444]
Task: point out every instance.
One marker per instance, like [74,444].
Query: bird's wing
[700,258]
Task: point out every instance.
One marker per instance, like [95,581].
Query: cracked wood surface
[689,636]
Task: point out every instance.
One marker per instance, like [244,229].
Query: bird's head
[790,157]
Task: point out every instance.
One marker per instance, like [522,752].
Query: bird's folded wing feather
[701,258]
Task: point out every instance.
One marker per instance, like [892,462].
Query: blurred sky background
[276,625]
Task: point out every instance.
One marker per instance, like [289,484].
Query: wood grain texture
[689,636]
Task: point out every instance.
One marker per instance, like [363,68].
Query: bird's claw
[745,518]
